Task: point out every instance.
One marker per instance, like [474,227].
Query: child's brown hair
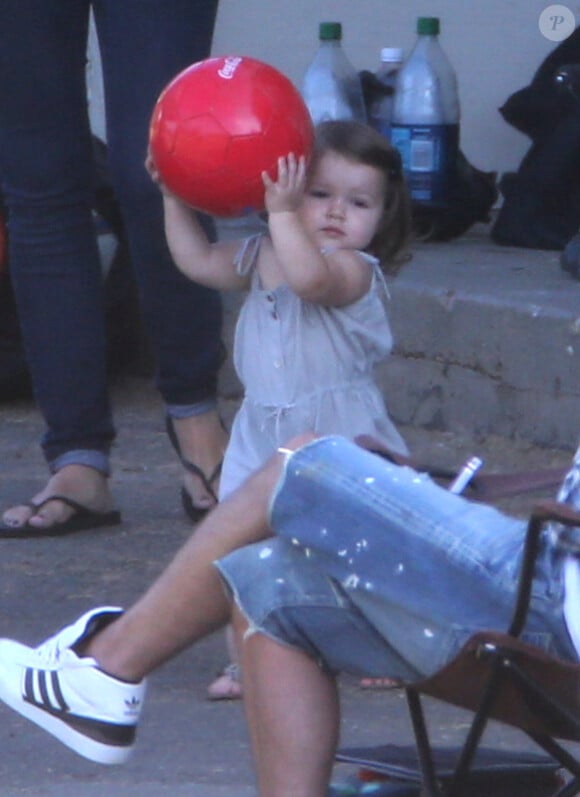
[362,144]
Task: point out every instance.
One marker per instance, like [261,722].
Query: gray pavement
[186,745]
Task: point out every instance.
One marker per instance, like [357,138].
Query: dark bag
[471,198]
[541,208]
[124,334]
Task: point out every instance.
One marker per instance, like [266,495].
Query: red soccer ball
[219,124]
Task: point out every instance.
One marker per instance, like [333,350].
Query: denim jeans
[377,570]
[46,174]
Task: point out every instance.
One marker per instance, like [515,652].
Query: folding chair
[495,676]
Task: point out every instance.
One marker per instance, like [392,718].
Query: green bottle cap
[428,26]
[330,31]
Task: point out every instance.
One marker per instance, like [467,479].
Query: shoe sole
[96,751]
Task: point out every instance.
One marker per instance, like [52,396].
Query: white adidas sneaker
[91,712]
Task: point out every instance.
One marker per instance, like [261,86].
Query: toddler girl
[313,325]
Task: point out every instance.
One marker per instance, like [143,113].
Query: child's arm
[210,264]
[335,279]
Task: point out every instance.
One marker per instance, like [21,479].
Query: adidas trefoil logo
[133,705]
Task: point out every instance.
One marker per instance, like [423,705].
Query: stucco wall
[495,46]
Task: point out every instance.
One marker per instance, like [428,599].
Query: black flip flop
[82,520]
[193,512]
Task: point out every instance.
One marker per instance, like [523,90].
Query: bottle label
[429,155]
[384,128]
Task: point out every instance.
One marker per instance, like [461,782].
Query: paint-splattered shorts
[376,570]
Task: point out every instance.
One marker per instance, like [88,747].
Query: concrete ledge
[487,341]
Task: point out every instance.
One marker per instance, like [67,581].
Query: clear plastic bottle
[331,86]
[381,111]
[425,127]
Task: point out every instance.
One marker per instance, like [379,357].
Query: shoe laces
[51,652]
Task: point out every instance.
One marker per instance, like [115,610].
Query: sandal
[227,685]
[193,511]
[83,519]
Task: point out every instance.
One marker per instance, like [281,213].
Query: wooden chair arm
[483,486]
[566,516]
[550,510]
[544,512]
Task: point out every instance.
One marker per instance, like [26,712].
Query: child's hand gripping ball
[218,125]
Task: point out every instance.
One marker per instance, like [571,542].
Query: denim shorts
[374,569]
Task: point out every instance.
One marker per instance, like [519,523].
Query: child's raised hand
[152,168]
[154,174]
[285,193]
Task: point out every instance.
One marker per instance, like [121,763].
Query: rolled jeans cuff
[180,411]
[90,458]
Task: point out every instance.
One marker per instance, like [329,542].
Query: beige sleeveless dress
[305,367]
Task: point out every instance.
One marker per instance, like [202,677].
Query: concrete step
[487,341]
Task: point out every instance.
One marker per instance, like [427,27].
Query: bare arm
[210,264]
[333,279]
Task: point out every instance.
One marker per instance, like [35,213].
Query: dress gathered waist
[339,387]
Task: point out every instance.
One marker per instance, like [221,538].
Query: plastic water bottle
[331,88]
[381,110]
[425,127]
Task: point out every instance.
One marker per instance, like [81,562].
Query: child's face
[343,202]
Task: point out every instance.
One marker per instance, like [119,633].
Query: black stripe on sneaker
[44,700]
[57,691]
[109,733]
[41,680]
[29,685]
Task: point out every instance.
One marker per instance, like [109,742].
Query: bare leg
[188,600]
[292,712]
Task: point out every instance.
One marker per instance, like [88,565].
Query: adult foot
[200,441]
[69,695]
[80,484]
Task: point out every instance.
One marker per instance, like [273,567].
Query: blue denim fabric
[46,174]
[424,568]
[91,459]
[178,411]
[287,597]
